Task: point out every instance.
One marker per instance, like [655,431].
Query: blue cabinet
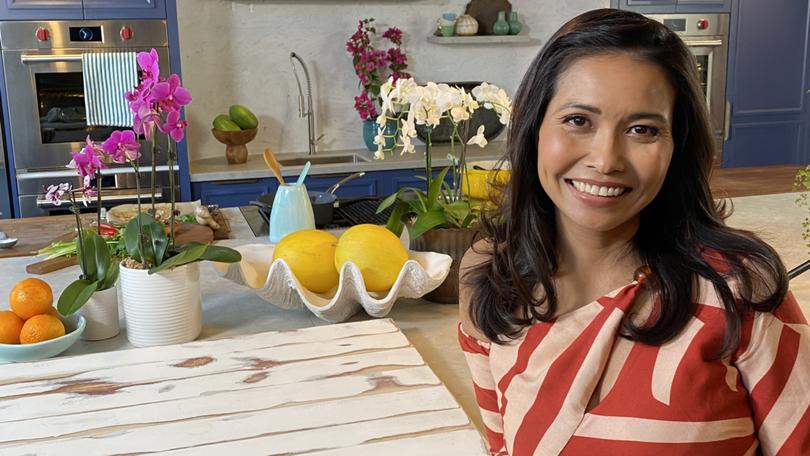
[768,78]
[368,185]
[127,9]
[232,193]
[40,9]
[82,9]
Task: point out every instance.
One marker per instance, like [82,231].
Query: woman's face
[605,142]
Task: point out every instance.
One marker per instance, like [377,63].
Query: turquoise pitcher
[292,211]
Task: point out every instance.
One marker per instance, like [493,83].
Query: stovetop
[348,212]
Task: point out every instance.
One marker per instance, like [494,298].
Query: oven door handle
[37,58]
[703,43]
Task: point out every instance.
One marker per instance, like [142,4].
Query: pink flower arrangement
[372,66]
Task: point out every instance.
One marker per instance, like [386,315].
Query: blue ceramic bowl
[74,326]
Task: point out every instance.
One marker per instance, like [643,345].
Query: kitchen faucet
[309,113]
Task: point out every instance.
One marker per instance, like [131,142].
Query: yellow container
[478,183]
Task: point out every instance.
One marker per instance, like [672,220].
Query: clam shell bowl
[275,282]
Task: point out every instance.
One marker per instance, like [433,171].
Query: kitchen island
[230,310]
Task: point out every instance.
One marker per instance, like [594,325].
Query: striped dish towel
[107,77]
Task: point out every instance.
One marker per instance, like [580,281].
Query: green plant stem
[138,198]
[79,240]
[171,151]
[428,148]
[98,202]
[154,169]
[462,161]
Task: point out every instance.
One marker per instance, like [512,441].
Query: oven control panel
[85,33]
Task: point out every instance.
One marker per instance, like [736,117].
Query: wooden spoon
[272,163]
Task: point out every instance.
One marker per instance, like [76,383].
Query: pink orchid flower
[87,161]
[122,146]
[174,126]
[171,94]
[148,61]
[143,118]
[54,193]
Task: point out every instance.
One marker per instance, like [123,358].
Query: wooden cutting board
[35,233]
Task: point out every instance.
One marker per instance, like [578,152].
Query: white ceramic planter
[101,313]
[163,308]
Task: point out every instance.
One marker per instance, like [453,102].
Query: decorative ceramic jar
[501,26]
[466,25]
[514,24]
[101,313]
[162,308]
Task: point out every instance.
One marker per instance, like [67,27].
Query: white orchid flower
[379,154]
[408,129]
[479,138]
[382,119]
[379,139]
[407,146]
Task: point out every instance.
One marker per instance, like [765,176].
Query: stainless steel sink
[300,160]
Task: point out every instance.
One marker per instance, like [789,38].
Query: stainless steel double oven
[706,35]
[46,110]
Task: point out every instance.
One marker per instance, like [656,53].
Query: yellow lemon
[311,256]
[377,252]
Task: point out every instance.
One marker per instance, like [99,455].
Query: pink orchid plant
[155,104]
[373,67]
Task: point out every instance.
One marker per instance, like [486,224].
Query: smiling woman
[608,309]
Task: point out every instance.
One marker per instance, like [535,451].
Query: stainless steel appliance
[46,110]
[706,35]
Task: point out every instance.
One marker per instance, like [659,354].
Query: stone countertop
[218,169]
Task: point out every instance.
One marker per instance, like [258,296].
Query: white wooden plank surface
[357,388]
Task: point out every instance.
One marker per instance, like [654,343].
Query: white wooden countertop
[345,389]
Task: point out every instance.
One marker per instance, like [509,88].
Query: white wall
[237,52]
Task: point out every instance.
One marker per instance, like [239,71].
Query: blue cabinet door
[769,67]
[410,178]
[40,9]
[232,193]
[124,9]
[368,185]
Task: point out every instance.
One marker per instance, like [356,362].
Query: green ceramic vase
[514,24]
[501,26]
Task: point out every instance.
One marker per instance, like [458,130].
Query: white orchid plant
[411,104]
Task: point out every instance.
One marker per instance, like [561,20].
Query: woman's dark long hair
[677,228]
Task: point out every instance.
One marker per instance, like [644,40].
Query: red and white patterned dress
[652,400]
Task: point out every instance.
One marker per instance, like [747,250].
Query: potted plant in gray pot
[443,218]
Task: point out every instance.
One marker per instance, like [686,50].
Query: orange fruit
[10,327]
[31,297]
[40,328]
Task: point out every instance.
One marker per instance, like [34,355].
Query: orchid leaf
[87,256]
[459,210]
[111,276]
[389,200]
[435,188]
[192,252]
[426,221]
[102,254]
[221,254]
[75,296]
[395,224]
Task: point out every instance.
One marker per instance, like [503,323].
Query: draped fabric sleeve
[476,353]
[774,363]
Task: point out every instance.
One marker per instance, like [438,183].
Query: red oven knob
[126,33]
[43,34]
[703,24]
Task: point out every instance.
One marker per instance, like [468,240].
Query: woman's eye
[576,121]
[644,130]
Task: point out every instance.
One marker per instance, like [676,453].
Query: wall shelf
[481,39]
